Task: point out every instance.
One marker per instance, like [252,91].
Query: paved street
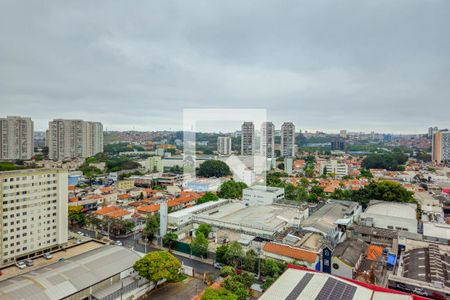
[186,289]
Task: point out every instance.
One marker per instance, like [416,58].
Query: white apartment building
[224,145]
[288,139]
[74,138]
[33,211]
[16,138]
[268,140]
[334,167]
[248,139]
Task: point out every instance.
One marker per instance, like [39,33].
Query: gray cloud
[360,65]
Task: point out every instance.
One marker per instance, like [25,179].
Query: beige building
[125,185]
[288,139]
[224,145]
[441,146]
[248,139]
[74,138]
[16,138]
[34,213]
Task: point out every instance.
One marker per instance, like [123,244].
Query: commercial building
[424,269]
[332,219]
[224,145]
[33,212]
[184,216]
[103,273]
[334,168]
[16,138]
[74,138]
[289,254]
[263,221]
[441,146]
[248,139]
[268,140]
[288,139]
[299,283]
[390,215]
[261,195]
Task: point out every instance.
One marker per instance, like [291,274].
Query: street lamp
[145,243]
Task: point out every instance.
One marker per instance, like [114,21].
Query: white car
[21,264]
[118,243]
[80,233]
[79,241]
[47,255]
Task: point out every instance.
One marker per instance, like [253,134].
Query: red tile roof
[291,252]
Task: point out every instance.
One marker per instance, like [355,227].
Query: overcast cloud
[380,65]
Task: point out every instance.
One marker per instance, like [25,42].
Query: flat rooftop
[62,279]
[267,217]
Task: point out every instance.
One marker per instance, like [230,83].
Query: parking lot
[41,262]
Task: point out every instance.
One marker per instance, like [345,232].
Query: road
[132,243]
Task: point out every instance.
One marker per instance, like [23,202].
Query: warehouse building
[103,273]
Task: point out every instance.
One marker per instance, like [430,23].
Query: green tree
[365,173]
[232,189]
[227,271]
[205,229]
[234,254]
[218,294]
[158,265]
[318,190]
[250,262]
[208,196]
[268,282]
[77,216]
[199,245]
[213,168]
[220,253]
[232,283]
[270,267]
[383,190]
[169,239]
[151,227]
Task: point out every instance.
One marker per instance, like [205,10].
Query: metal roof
[65,278]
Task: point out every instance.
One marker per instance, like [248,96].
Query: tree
[389,161]
[208,196]
[227,271]
[385,191]
[169,239]
[218,294]
[365,173]
[220,253]
[205,229]
[268,282]
[232,189]
[213,168]
[151,227]
[239,289]
[234,254]
[199,245]
[250,261]
[76,215]
[318,190]
[270,267]
[158,265]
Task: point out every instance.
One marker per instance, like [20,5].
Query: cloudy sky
[380,65]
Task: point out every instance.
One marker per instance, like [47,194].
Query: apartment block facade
[268,140]
[224,145]
[33,212]
[441,146]
[16,138]
[74,138]
[288,139]
[248,139]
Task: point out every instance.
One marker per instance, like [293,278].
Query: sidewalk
[193,257]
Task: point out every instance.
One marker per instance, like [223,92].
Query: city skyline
[378,70]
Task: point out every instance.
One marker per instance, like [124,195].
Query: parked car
[21,265]
[80,233]
[79,241]
[118,243]
[218,265]
[420,292]
[403,287]
[47,255]
[28,262]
